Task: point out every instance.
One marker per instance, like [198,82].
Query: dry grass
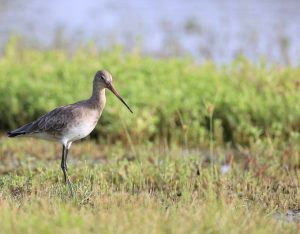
[156,190]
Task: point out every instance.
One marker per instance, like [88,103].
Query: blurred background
[215,135]
[238,60]
[216,30]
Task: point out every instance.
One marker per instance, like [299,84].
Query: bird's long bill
[111,88]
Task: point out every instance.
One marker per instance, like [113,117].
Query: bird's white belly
[43,135]
[78,132]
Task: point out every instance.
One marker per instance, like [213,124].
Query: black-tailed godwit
[67,124]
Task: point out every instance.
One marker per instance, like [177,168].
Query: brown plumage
[69,123]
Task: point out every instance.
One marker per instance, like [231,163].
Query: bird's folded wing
[55,120]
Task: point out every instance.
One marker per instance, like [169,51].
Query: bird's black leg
[67,152]
[66,158]
[64,163]
[64,167]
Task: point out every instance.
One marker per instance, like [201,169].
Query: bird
[69,123]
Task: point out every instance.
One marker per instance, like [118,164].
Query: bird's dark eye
[104,79]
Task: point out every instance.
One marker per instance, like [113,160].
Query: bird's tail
[14,133]
[21,131]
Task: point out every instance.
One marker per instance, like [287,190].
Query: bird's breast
[82,127]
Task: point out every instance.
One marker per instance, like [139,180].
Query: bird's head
[104,79]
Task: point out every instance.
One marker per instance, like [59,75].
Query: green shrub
[172,99]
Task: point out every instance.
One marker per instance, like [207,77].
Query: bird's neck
[98,98]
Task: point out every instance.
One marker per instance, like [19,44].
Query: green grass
[160,169]
[171,98]
[156,190]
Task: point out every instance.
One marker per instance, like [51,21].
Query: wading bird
[67,124]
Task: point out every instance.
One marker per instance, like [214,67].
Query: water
[216,29]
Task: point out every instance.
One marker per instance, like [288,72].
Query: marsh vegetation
[212,149]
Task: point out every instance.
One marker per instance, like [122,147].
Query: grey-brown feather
[52,122]
[71,122]
[55,120]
